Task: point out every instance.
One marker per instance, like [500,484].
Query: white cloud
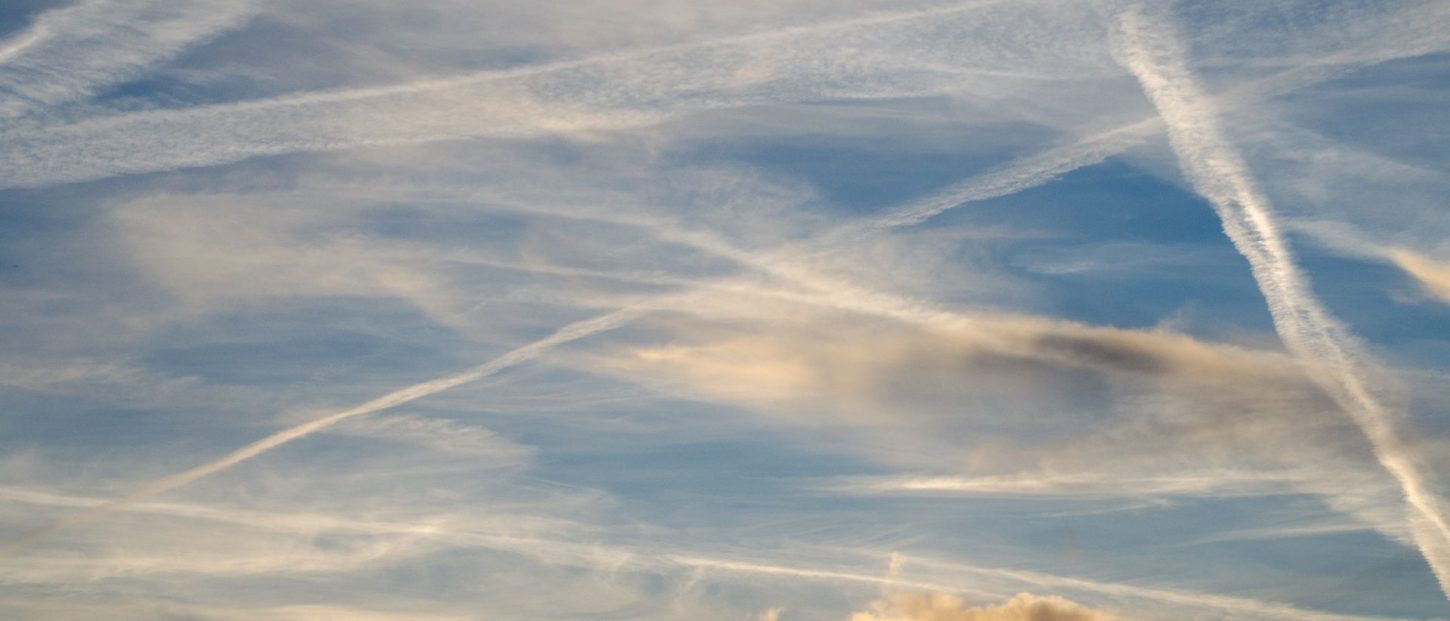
[944,607]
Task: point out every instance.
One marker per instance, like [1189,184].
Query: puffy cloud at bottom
[942,607]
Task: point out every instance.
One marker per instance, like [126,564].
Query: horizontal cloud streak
[1082,486]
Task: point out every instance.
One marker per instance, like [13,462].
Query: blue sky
[850,310]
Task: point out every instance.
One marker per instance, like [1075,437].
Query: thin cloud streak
[1077,486]
[1153,53]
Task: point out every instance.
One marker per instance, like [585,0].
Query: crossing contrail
[1151,49]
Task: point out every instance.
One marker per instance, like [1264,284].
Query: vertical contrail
[1152,51]
[571,332]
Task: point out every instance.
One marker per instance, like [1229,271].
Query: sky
[846,310]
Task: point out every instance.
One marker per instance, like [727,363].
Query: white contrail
[1152,51]
[571,332]
[1220,483]
[73,52]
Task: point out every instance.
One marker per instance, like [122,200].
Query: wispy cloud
[1433,276]
[1085,487]
[73,52]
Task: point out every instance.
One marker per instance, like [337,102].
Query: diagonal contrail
[571,332]
[1151,50]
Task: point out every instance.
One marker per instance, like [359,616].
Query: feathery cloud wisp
[70,53]
[1151,50]
[1433,276]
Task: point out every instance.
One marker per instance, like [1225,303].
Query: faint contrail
[69,53]
[1152,51]
[571,332]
